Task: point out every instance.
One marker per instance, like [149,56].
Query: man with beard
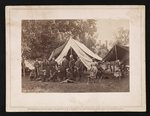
[36,65]
[93,72]
[78,68]
[53,67]
[65,65]
[72,64]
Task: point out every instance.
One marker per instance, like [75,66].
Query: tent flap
[57,51]
[80,49]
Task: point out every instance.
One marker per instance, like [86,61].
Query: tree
[41,37]
[101,50]
[122,36]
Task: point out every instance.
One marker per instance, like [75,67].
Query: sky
[107,27]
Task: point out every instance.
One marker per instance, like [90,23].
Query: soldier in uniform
[79,68]
[53,68]
[45,68]
[93,72]
[65,65]
[36,65]
[53,65]
[72,64]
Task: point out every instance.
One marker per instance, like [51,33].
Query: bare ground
[105,85]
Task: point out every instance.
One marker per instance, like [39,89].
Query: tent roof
[117,52]
[80,49]
[57,51]
[87,51]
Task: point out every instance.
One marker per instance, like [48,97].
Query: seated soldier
[69,77]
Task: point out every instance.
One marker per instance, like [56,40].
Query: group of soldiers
[71,70]
[50,70]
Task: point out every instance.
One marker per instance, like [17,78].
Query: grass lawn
[105,85]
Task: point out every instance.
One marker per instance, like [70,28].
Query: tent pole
[116,53]
[71,51]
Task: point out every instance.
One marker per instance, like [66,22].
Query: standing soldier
[53,63]
[65,65]
[100,70]
[60,73]
[45,68]
[72,64]
[93,72]
[53,67]
[44,64]
[79,66]
[36,65]
[23,66]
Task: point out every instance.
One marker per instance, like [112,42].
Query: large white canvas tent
[80,49]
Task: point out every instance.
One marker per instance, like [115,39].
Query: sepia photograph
[81,55]
[75,58]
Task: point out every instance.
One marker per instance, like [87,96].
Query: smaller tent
[29,64]
[78,49]
[118,52]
